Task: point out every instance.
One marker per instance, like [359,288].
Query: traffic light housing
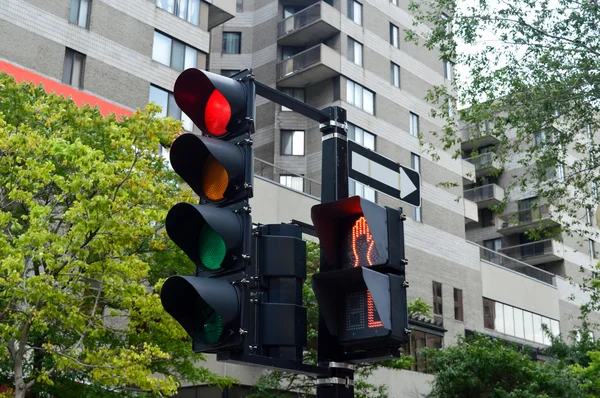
[215,234]
[363,300]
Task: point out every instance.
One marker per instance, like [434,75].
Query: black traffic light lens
[211,248]
[208,323]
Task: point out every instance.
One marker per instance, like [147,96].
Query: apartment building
[122,54]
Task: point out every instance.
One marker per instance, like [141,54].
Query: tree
[280,384]
[484,367]
[529,78]
[83,200]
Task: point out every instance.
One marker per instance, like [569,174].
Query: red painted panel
[50,86]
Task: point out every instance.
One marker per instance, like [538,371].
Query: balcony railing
[484,193]
[299,61]
[530,250]
[526,216]
[299,19]
[516,265]
[273,173]
[483,160]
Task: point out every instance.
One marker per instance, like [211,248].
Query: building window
[232,43]
[448,70]
[592,249]
[518,322]
[361,137]
[493,244]
[588,216]
[486,216]
[438,310]
[417,341]
[415,164]
[291,181]
[229,72]
[414,124]
[360,97]
[395,74]
[73,68]
[239,6]
[166,100]
[80,13]
[458,305]
[297,93]
[595,189]
[173,53]
[362,190]
[355,11]
[394,2]
[292,142]
[394,35]
[184,9]
[355,51]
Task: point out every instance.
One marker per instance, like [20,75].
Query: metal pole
[334,186]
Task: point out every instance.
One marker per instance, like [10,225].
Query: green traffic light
[211,248]
[211,324]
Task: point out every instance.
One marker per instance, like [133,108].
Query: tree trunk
[20,386]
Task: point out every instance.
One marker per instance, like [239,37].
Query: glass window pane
[193,16]
[168,5]
[188,125]
[231,42]
[297,183]
[509,320]
[77,77]
[286,142]
[545,337]
[537,329]
[519,328]
[74,12]
[499,319]
[182,9]
[161,49]
[160,97]
[68,66]
[84,11]
[358,95]
[555,327]
[173,110]
[298,143]
[369,194]
[528,325]
[351,134]
[191,58]
[178,55]
[358,50]
[351,187]
[488,313]
[358,13]
[369,140]
[350,91]
[360,189]
[369,102]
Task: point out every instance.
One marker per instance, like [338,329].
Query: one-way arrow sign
[383,174]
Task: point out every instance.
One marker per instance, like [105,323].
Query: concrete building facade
[349,53]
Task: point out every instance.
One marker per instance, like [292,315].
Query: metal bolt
[405,284]
[404,261]
[407,331]
[243,331]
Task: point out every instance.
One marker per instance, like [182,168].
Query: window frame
[173,43]
[360,189]
[281,147]
[353,87]
[239,47]
[294,91]
[352,131]
[71,57]
[394,35]
[177,10]
[75,19]
[353,5]
[171,109]
[438,301]
[292,177]
[448,70]
[413,124]
[459,314]
[394,74]
[352,47]
[239,6]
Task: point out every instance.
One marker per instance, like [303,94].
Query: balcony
[534,253]
[311,66]
[485,195]
[313,24]
[516,266]
[220,12]
[475,137]
[485,164]
[523,220]
[293,181]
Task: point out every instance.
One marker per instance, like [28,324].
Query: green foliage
[490,368]
[529,73]
[282,384]
[83,200]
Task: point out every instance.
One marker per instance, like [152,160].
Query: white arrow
[406,185]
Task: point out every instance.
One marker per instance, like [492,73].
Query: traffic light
[363,301]
[215,234]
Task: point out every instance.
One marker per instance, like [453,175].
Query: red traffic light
[215,103]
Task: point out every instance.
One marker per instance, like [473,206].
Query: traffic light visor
[215,103]
[212,168]
[205,234]
[206,308]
